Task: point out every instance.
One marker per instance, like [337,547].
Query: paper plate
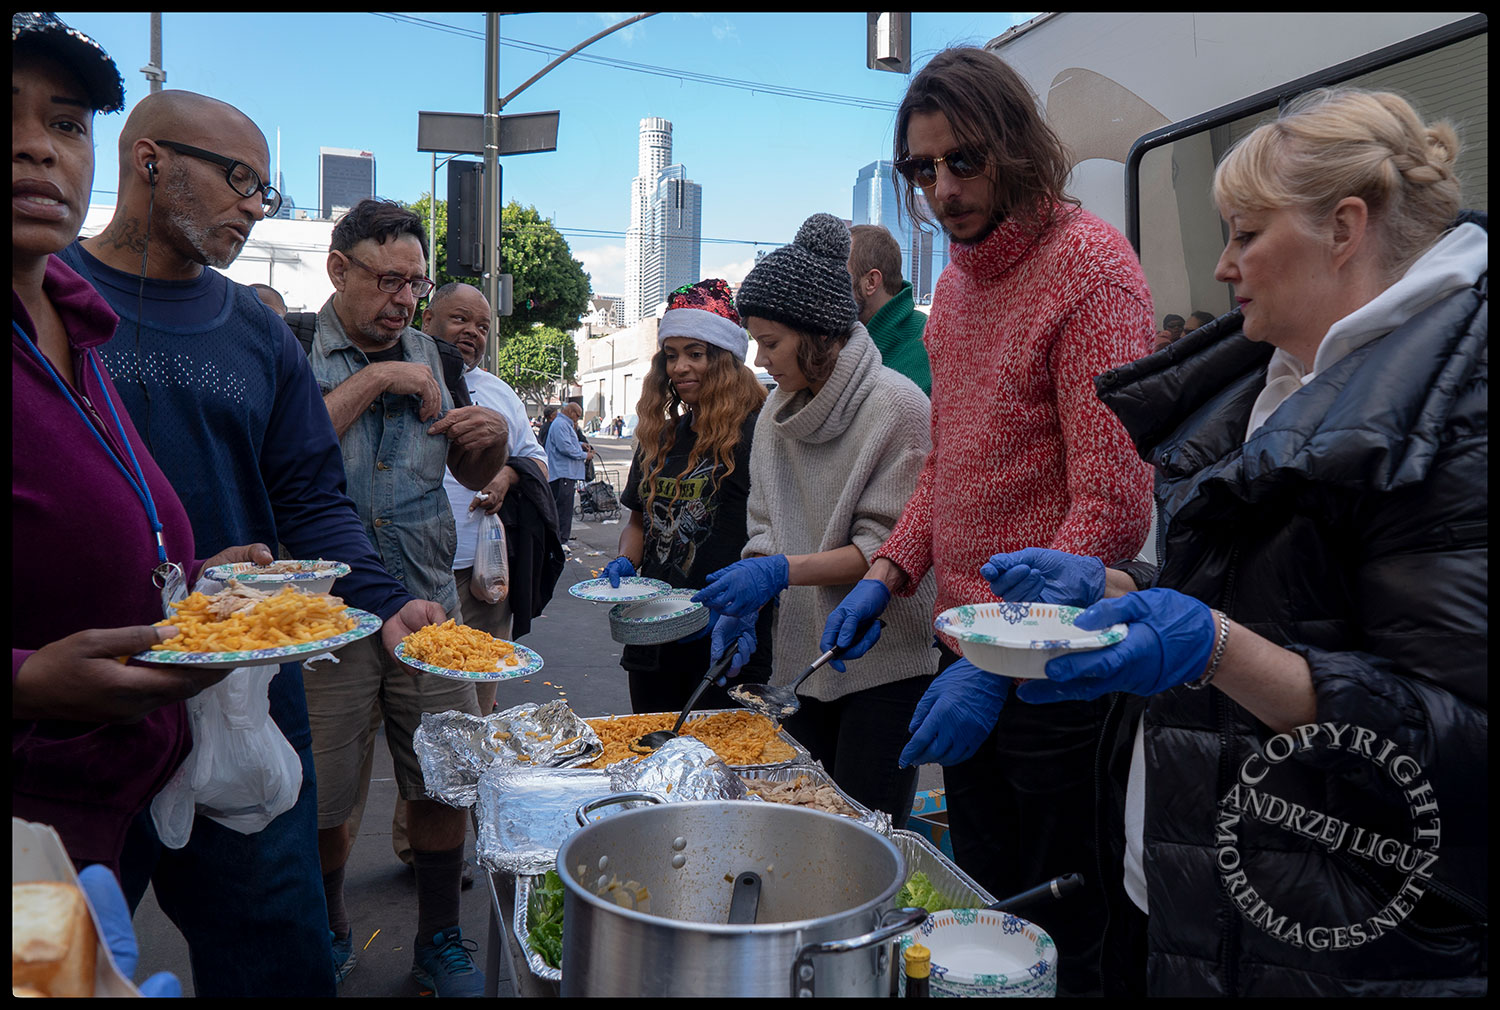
[530,663]
[1017,639]
[664,618]
[313,577]
[632,589]
[368,625]
[977,952]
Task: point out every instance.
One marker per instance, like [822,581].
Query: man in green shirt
[885,303]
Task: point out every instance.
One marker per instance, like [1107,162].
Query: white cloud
[606,267]
[733,272]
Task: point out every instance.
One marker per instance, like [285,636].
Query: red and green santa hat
[704,311]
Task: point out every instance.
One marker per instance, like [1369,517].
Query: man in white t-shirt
[460,315]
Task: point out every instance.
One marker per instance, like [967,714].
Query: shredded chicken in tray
[238,597]
[802,792]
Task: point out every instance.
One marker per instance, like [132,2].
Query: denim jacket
[394,468]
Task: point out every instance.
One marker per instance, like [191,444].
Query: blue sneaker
[445,966]
[344,956]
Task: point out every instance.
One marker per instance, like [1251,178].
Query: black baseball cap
[44,33]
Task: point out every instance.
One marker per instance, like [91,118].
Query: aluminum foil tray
[947,879]
[539,968]
[801,757]
[878,820]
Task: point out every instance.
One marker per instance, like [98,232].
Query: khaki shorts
[344,703]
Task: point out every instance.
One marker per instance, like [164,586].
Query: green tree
[529,362]
[548,285]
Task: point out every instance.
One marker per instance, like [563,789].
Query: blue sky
[358,80]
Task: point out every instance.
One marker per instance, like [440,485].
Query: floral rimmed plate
[979,952]
[310,576]
[1017,639]
[368,625]
[632,589]
[529,663]
[664,618]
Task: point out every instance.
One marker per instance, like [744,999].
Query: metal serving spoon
[779,703]
[651,741]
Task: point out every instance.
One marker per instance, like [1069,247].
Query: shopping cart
[597,499]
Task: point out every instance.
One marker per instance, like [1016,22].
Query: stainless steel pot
[825,917]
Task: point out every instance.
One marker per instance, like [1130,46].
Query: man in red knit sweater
[1040,298]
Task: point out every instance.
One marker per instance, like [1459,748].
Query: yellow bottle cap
[918,961]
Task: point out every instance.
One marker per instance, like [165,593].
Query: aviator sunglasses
[923,171]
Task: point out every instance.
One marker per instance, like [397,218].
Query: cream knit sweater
[827,471]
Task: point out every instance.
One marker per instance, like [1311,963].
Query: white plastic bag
[490,581]
[241,771]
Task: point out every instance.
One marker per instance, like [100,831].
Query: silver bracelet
[1213,666]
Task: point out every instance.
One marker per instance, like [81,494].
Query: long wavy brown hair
[993,115]
[729,394]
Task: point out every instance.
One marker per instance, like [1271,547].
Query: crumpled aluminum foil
[525,814]
[680,769]
[455,749]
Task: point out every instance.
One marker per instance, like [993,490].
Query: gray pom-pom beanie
[805,285]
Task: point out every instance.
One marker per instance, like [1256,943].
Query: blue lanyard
[137,481]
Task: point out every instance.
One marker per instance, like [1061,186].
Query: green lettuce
[918,892]
[544,918]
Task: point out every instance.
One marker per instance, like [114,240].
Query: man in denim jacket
[399,433]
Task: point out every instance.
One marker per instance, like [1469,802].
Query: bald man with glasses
[224,398]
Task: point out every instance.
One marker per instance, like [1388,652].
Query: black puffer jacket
[1352,529]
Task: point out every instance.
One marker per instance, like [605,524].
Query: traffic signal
[465,218]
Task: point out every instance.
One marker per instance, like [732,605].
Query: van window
[1181,234]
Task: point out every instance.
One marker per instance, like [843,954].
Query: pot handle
[802,966]
[582,813]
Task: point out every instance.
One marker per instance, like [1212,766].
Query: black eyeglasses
[923,171]
[393,283]
[243,179]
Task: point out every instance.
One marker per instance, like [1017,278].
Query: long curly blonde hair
[728,395]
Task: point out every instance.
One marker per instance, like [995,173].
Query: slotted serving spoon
[651,741]
[780,703]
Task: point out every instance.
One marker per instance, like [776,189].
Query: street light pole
[491,203]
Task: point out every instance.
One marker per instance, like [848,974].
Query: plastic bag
[490,581]
[241,771]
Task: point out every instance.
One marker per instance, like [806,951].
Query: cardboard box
[929,818]
[37,853]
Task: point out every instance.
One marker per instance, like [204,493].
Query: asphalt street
[582,665]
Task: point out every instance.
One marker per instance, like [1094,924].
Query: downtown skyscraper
[924,252]
[663,245]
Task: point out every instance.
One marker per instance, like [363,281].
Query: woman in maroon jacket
[98,534]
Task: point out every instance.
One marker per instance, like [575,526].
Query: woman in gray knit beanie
[836,455]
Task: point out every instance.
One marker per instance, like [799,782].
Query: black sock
[338,915]
[439,877]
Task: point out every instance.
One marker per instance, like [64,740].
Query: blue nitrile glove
[1170,639]
[108,901]
[620,568]
[1040,575]
[741,589]
[954,716]
[708,628]
[733,634]
[865,602]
